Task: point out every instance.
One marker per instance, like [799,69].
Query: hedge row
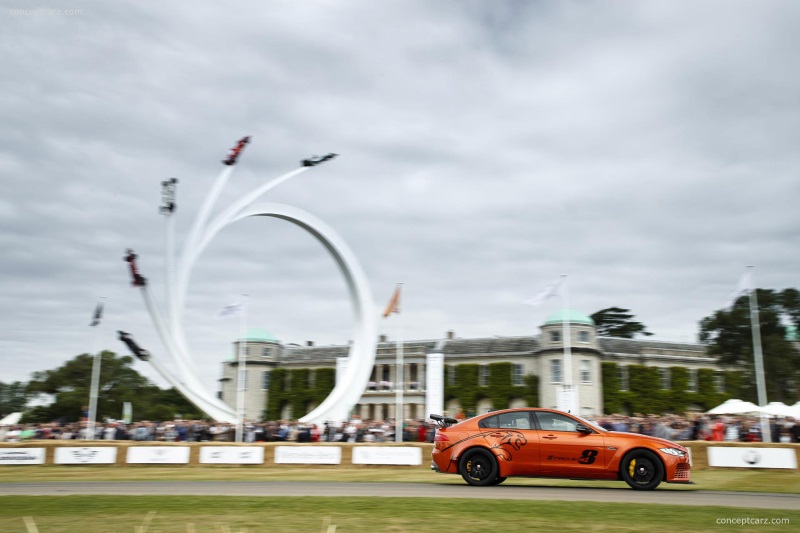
[646,395]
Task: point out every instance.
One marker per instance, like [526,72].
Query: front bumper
[678,470]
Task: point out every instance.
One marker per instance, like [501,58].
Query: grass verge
[190,514]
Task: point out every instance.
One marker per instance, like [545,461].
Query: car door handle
[550,437]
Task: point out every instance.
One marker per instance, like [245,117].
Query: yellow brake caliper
[631,467]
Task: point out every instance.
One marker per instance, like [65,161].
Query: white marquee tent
[734,407]
[779,409]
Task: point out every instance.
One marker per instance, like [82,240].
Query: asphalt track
[406,490]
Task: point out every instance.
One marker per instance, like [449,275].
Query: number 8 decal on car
[588,457]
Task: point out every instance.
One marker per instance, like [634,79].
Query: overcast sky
[648,150]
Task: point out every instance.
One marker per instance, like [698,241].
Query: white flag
[546,293]
[743,289]
[231,310]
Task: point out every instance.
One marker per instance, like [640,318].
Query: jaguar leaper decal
[502,441]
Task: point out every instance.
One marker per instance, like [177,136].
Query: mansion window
[265,380]
[586,371]
[665,378]
[692,386]
[623,377]
[483,375]
[517,374]
[555,371]
[719,381]
[555,336]
[451,375]
[583,336]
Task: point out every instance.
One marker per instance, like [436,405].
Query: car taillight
[440,437]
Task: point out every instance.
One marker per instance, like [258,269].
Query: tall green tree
[618,322]
[13,397]
[69,385]
[728,336]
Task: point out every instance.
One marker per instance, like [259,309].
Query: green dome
[572,317]
[259,335]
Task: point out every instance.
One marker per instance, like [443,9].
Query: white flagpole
[766,435]
[399,417]
[95,385]
[569,396]
[242,372]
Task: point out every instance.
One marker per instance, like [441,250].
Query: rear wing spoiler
[443,421]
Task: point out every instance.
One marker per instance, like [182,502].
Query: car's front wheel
[642,470]
[478,467]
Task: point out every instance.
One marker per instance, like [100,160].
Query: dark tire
[642,470]
[498,480]
[478,467]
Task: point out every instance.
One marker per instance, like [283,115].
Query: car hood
[638,436]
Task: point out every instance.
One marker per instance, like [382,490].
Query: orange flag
[394,303]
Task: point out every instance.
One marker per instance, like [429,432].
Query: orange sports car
[488,448]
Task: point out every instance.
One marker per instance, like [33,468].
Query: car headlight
[674,451]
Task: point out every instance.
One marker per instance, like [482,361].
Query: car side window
[515,420]
[556,422]
[489,422]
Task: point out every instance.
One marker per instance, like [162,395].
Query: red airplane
[236,150]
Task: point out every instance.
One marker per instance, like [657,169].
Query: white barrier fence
[368,455]
[232,455]
[85,455]
[237,455]
[158,455]
[22,456]
[752,457]
[308,455]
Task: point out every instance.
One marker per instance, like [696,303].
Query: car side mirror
[580,428]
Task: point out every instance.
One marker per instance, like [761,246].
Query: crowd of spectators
[703,427]
[670,427]
[355,430]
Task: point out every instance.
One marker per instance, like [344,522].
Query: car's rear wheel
[478,467]
[642,470]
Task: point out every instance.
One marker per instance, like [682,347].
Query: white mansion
[541,355]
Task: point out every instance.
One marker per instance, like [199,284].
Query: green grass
[740,480]
[227,514]
[118,514]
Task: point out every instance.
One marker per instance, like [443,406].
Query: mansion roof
[497,346]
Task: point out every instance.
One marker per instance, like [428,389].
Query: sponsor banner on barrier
[79,456]
[752,457]
[158,454]
[232,455]
[22,456]
[395,455]
[308,455]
